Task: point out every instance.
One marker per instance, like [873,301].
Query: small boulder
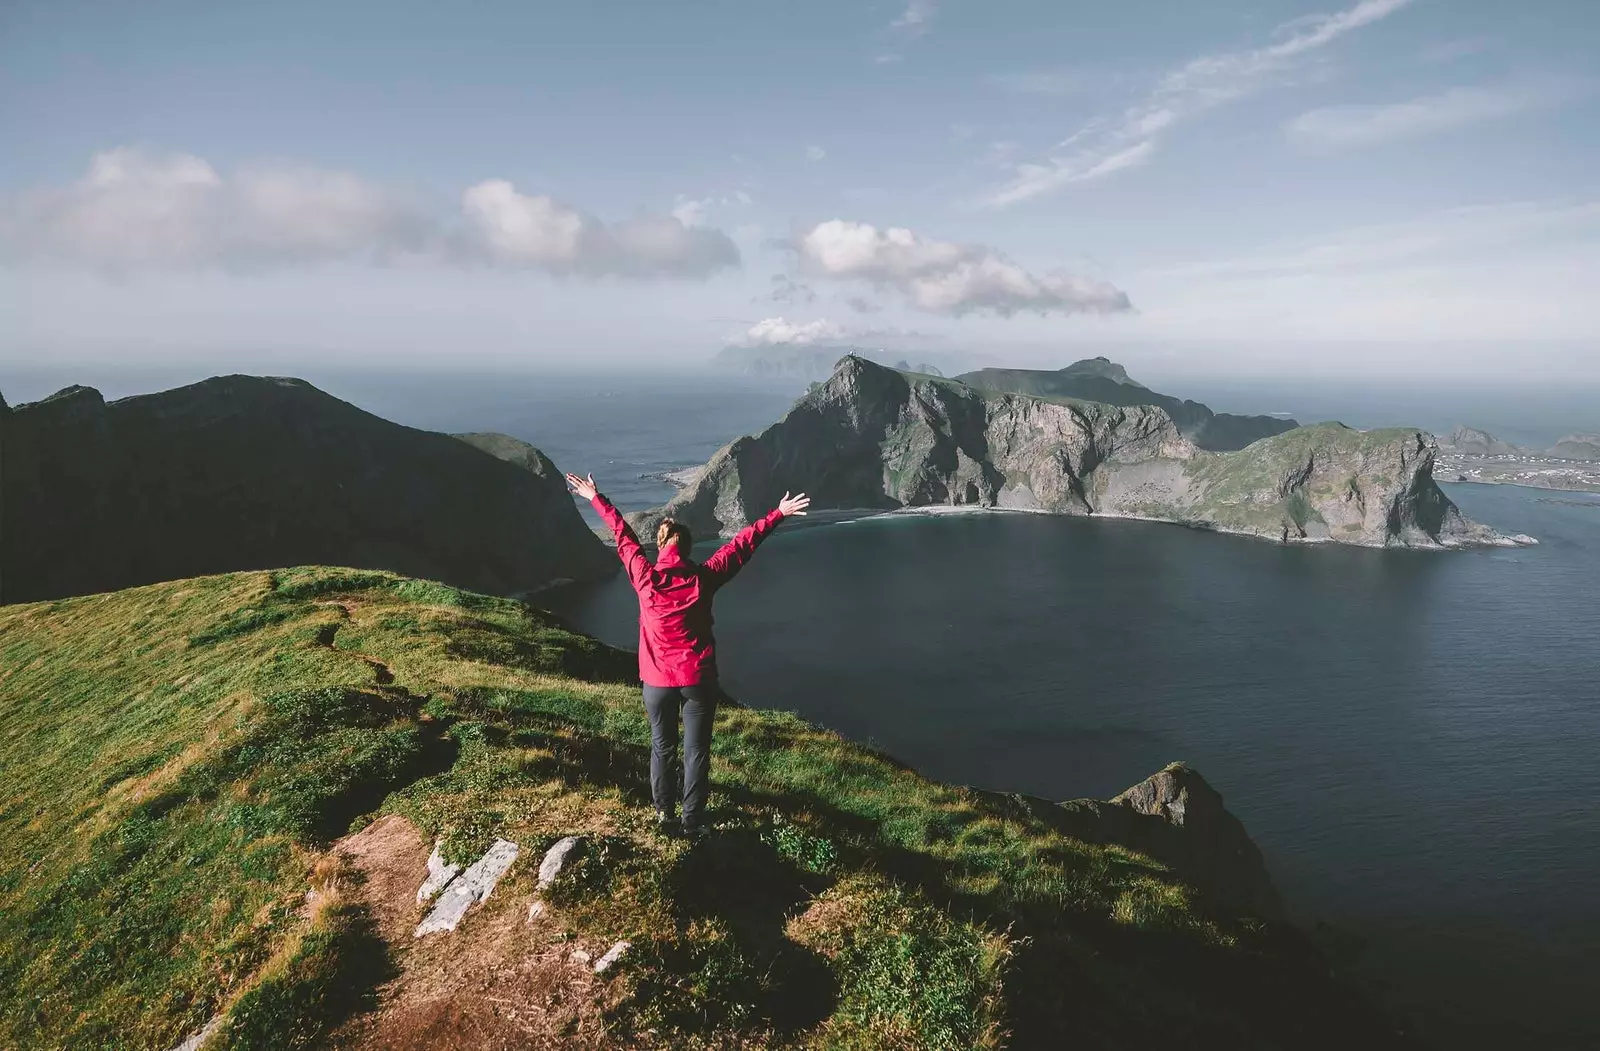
[555,859]
[471,887]
[440,873]
[613,954]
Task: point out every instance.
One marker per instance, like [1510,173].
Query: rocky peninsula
[876,439]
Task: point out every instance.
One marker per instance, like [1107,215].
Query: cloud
[917,18]
[1333,128]
[692,211]
[943,277]
[863,305]
[815,153]
[133,210]
[1108,145]
[779,331]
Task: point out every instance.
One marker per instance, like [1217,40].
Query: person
[677,654]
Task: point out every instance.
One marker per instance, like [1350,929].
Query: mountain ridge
[1102,380]
[873,439]
[243,472]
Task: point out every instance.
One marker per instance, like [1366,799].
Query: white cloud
[815,153]
[1334,128]
[946,278]
[693,211]
[917,18]
[134,210]
[779,331]
[1108,145]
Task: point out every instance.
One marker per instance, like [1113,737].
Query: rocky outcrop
[875,439]
[1177,818]
[1103,380]
[243,472]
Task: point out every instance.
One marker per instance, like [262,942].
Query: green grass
[178,758]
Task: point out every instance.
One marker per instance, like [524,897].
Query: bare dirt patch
[498,982]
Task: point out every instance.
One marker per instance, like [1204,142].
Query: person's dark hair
[671,531]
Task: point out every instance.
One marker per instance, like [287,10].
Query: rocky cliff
[1103,380]
[243,472]
[872,438]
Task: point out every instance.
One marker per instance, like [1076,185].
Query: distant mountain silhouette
[243,472]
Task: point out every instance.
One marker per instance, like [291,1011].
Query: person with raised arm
[677,654]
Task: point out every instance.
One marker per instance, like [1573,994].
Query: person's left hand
[583,487]
[794,505]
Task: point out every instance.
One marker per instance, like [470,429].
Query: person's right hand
[794,505]
[583,487]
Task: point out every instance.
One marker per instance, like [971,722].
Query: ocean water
[1411,737]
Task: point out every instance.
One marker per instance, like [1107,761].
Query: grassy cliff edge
[194,775]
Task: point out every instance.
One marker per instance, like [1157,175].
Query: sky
[1339,188]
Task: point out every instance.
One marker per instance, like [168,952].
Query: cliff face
[243,472]
[1102,380]
[873,438]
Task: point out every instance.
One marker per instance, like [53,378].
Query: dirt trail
[497,983]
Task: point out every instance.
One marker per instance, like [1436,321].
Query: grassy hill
[217,796]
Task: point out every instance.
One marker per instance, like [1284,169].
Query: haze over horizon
[1260,188]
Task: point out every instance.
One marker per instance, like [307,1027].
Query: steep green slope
[1102,380]
[179,759]
[249,472]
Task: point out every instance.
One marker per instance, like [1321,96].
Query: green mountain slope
[247,472]
[181,762]
[1102,380]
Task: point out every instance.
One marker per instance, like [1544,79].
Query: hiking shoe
[693,831]
[666,822]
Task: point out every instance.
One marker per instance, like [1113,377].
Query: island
[874,439]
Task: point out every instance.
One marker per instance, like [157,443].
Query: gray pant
[699,705]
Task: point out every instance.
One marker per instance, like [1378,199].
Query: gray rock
[471,887]
[1212,847]
[875,439]
[194,1042]
[440,873]
[555,859]
[613,954]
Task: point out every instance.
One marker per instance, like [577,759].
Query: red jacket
[675,644]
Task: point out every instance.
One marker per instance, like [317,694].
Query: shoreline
[843,516]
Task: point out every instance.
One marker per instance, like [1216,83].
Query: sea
[1412,738]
